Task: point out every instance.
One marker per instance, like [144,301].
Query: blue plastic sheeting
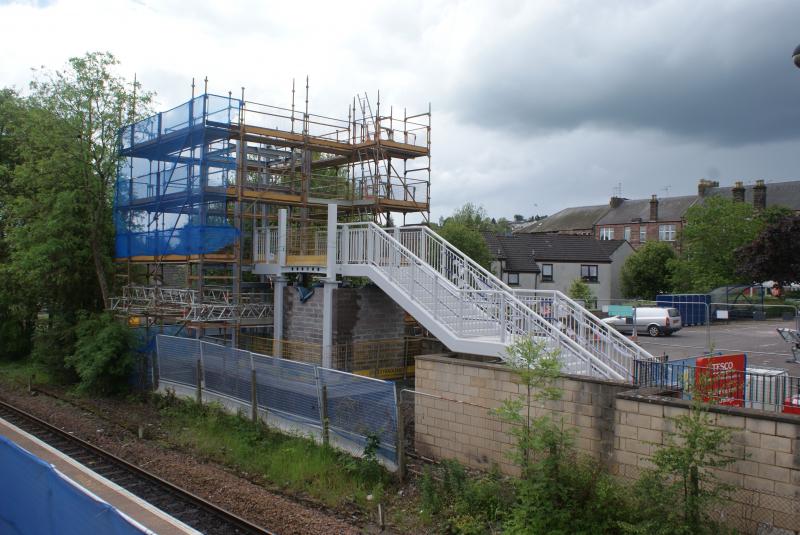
[35,498]
[184,241]
[172,183]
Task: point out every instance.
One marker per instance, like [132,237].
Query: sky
[537,105]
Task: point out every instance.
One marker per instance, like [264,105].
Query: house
[659,219]
[554,261]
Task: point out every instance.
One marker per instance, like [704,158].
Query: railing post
[282,218]
[331,242]
[501,317]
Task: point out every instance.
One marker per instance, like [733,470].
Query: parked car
[650,320]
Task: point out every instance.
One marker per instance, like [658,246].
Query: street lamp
[796,56]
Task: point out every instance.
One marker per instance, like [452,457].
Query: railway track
[185,506]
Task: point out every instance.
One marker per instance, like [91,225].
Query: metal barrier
[339,408]
[754,390]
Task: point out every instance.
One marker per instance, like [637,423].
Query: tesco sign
[720,379]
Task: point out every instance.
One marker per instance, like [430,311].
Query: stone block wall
[765,446]
[455,420]
[620,427]
[359,314]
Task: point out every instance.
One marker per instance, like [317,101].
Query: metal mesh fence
[177,359]
[288,392]
[359,407]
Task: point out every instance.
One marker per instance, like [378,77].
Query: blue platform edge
[36,498]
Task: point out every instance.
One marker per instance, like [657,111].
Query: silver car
[650,320]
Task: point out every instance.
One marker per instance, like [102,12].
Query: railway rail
[185,506]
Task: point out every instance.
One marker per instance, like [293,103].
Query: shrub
[102,356]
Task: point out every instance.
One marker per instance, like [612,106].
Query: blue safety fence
[36,498]
[357,407]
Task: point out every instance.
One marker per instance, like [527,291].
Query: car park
[649,320]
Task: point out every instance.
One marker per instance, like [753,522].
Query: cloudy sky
[537,105]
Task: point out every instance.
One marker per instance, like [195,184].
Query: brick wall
[302,322]
[614,424]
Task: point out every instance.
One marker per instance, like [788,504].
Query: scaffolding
[198,182]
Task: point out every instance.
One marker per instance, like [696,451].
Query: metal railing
[459,294]
[570,317]
[754,390]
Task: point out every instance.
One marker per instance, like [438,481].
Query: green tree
[468,240]
[559,490]
[581,291]
[674,497]
[710,237]
[92,104]
[648,272]
[102,357]
[774,254]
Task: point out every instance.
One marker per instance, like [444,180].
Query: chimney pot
[653,208]
[738,191]
[760,196]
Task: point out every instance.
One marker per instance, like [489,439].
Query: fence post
[324,409]
[199,392]
[253,395]
[401,440]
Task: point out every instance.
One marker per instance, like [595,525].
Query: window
[642,234]
[627,234]
[547,272]
[606,233]
[666,232]
[589,273]
[513,279]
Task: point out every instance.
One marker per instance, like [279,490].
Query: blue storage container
[691,306]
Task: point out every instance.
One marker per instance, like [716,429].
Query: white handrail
[466,298]
[609,344]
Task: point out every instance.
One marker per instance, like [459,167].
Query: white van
[650,320]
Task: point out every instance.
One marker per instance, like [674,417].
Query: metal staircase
[471,310]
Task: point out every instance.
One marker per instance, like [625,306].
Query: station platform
[142,516]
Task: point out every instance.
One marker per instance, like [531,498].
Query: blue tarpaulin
[36,498]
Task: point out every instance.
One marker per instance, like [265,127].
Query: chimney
[760,196]
[704,185]
[615,202]
[738,191]
[654,208]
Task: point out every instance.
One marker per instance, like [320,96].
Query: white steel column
[277,316]
[283,215]
[329,285]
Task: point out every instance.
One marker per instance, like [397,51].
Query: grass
[295,464]
[20,371]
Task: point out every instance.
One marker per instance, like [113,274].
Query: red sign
[720,379]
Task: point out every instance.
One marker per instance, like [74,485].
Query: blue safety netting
[171,191]
[35,498]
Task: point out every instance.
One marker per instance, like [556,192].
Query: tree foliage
[710,237]
[581,291]
[648,272]
[774,254]
[58,163]
[468,240]
[102,357]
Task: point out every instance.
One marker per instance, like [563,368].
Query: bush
[102,356]
[467,505]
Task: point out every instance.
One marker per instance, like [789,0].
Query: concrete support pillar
[283,216]
[331,245]
[277,320]
[327,324]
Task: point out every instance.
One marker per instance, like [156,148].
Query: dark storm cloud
[720,72]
